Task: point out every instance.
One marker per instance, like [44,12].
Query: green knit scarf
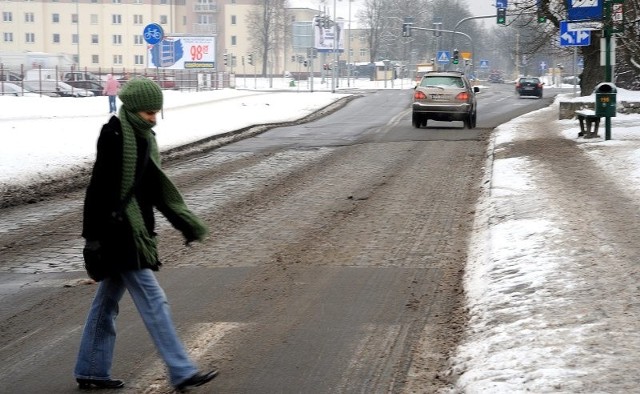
[133,125]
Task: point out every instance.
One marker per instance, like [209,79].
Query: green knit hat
[141,94]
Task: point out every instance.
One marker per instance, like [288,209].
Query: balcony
[205,28]
[205,7]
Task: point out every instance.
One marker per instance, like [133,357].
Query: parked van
[44,81]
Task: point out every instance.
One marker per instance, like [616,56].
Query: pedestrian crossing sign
[443,57]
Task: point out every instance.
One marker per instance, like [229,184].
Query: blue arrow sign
[584,10]
[574,38]
[501,3]
[443,57]
[153,33]
[484,64]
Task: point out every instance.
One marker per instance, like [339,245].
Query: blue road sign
[484,64]
[573,38]
[501,3]
[443,57]
[584,10]
[153,33]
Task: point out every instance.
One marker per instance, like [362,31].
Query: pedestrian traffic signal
[406,30]
[455,59]
[250,59]
[226,59]
[501,17]
[317,21]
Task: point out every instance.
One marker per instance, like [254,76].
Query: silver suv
[444,96]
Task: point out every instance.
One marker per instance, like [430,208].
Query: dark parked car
[92,86]
[529,86]
[444,96]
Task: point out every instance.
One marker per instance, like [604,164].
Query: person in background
[126,184]
[111,89]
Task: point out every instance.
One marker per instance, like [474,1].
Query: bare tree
[268,30]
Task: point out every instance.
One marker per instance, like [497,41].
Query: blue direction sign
[153,33]
[443,57]
[484,63]
[573,38]
[584,10]
[501,3]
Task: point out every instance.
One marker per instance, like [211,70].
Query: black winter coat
[103,199]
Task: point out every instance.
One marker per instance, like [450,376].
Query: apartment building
[109,33]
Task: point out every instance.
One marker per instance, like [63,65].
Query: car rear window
[442,81]
[529,80]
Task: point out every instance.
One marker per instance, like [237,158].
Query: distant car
[9,76]
[66,90]
[92,86]
[529,86]
[496,77]
[11,89]
[444,96]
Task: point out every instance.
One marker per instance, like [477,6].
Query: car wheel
[474,120]
[415,119]
[467,122]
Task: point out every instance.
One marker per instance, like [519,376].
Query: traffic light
[501,17]
[406,30]
[305,63]
[250,59]
[317,20]
[542,18]
[226,59]
[455,59]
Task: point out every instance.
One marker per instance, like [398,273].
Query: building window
[233,19]
[30,38]
[8,37]
[163,19]
[117,39]
[137,19]
[184,21]
[74,19]
[56,38]
[137,1]
[163,2]
[55,18]
[116,1]
[116,19]
[138,39]
[363,52]
[29,17]
[94,38]
[7,17]
[94,19]
[234,40]
[117,59]
[74,39]
[94,1]
[95,59]
[138,60]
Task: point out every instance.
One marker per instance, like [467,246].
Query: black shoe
[88,384]
[196,380]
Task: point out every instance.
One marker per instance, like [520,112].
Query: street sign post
[443,57]
[153,33]
[575,37]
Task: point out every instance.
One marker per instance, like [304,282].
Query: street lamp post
[349,49]
[335,50]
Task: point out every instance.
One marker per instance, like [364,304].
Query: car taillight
[539,85]
[517,86]
[462,96]
[419,95]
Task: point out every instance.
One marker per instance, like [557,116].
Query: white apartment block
[108,34]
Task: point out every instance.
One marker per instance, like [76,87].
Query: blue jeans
[99,337]
[112,104]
